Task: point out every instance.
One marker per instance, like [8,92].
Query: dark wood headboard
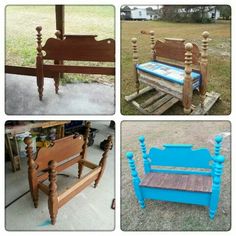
[174,49]
[80,48]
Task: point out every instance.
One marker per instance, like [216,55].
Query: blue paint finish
[170,195]
[183,172]
[146,162]
[180,155]
[45,223]
[152,68]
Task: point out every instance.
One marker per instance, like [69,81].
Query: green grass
[21,22]
[167,216]
[219,57]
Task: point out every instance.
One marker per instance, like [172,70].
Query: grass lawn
[21,22]
[219,57]
[159,215]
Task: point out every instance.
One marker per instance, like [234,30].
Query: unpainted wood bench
[72,48]
[60,155]
[167,174]
[176,69]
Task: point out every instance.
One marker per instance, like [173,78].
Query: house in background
[139,13]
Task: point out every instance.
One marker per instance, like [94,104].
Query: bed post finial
[135,62]
[187,89]
[203,66]
[85,146]
[146,162]
[217,171]
[152,39]
[135,178]
[39,63]
[32,171]
[103,161]
[58,34]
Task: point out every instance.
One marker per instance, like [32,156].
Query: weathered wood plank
[151,99]
[165,86]
[158,103]
[195,183]
[137,105]
[136,95]
[209,101]
[166,106]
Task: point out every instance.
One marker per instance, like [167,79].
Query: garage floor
[21,98]
[89,210]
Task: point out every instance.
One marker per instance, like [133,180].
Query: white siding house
[139,14]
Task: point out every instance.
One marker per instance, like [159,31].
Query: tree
[225,11]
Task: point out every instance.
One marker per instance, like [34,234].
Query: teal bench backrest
[180,155]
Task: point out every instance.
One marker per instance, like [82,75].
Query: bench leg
[40,82]
[56,83]
[53,196]
[136,180]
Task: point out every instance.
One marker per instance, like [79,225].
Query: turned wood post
[32,171]
[217,171]
[146,162]
[135,179]
[135,62]
[85,146]
[39,63]
[56,62]
[187,89]
[152,39]
[53,196]
[103,161]
[203,67]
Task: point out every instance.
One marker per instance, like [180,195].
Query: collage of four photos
[71,120]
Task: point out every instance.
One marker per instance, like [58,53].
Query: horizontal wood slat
[80,69]
[88,164]
[30,71]
[44,188]
[79,186]
[195,183]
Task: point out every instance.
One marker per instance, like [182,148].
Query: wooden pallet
[161,102]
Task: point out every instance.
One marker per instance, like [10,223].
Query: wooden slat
[79,186]
[136,95]
[80,69]
[152,99]
[30,71]
[195,183]
[61,167]
[139,108]
[81,48]
[88,164]
[209,101]
[160,102]
[44,188]
[159,84]
[165,106]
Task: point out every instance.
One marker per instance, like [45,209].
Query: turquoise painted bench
[168,177]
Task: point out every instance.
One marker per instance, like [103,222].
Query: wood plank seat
[195,183]
[60,155]
[179,173]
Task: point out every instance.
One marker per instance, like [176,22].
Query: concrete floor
[21,98]
[89,210]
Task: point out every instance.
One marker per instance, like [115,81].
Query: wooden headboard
[80,48]
[174,49]
[60,150]
[180,155]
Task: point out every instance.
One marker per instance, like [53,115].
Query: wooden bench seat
[195,183]
[175,173]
